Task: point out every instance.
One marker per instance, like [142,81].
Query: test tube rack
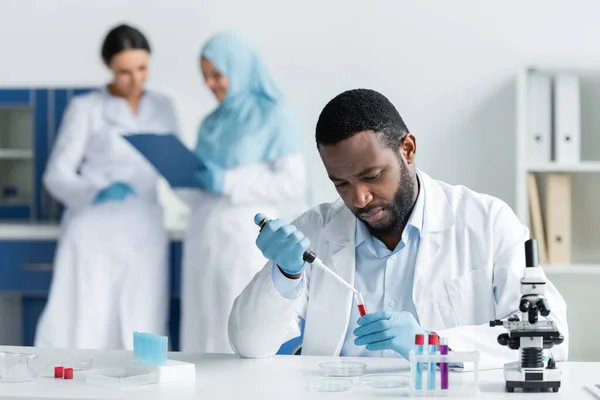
[457,388]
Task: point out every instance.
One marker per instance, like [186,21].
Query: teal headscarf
[253,124]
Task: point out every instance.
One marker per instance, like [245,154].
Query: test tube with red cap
[360,304]
[433,344]
[419,343]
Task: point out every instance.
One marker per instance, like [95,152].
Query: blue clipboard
[171,158]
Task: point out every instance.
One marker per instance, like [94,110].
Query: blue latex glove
[211,177]
[118,191]
[388,330]
[283,244]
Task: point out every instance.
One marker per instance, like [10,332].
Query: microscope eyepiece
[531,253]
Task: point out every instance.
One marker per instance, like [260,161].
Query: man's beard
[400,208]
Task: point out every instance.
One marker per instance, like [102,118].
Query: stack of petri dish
[338,376]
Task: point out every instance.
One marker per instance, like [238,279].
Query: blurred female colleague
[111,271]
[251,147]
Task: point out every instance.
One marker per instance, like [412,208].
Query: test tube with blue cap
[310,257]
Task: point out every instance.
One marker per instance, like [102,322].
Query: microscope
[529,335]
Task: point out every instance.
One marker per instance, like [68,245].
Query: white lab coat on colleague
[220,254]
[468,270]
[111,267]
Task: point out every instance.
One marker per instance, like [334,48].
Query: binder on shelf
[537,221]
[567,119]
[558,218]
[539,125]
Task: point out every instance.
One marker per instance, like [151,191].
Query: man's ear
[408,148]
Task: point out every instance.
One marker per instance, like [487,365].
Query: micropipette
[310,257]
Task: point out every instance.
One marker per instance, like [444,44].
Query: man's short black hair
[356,111]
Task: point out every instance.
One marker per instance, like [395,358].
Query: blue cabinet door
[26,266]
[176,250]
[26,269]
[33,306]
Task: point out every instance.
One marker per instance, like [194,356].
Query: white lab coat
[468,270]
[220,256]
[111,266]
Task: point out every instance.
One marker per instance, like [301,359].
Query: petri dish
[18,367]
[77,363]
[385,381]
[121,377]
[329,384]
[343,368]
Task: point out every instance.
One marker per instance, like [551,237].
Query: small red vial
[360,304]
[68,373]
[362,310]
[58,372]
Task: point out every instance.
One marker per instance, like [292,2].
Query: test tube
[433,342]
[419,342]
[360,303]
[444,365]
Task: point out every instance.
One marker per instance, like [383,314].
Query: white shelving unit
[585,175]
[579,280]
[582,167]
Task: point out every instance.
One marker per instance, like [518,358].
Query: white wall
[449,66]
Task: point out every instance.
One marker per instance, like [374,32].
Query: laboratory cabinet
[29,121]
[25,277]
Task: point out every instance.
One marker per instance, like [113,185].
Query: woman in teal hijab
[250,146]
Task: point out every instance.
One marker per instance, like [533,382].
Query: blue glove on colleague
[211,177]
[283,244]
[118,191]
[388,330]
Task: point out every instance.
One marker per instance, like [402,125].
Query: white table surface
[279,377]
